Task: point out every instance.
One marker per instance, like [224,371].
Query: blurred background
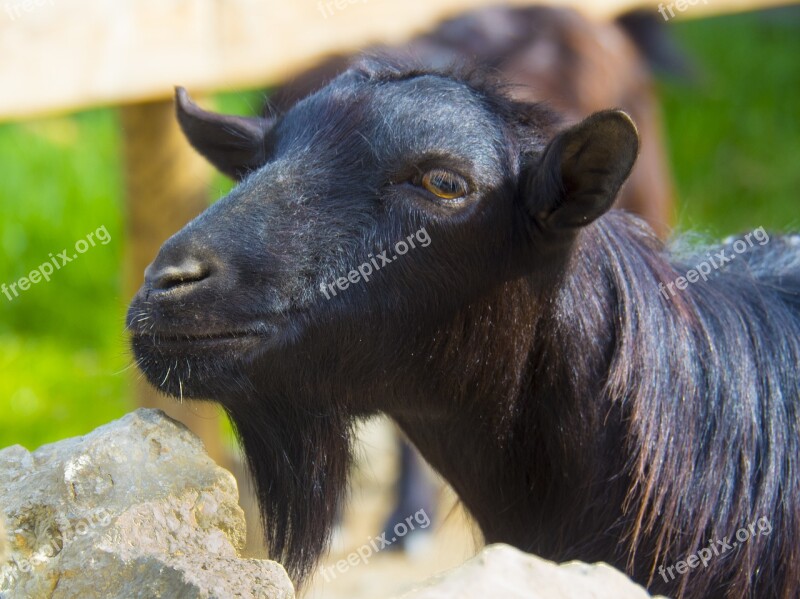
[732,129]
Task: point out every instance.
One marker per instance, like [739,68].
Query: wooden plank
[60,55]
[166,185]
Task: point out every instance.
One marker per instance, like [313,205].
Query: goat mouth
[194,341]
[197,337]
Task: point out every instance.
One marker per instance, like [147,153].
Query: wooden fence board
[60,55]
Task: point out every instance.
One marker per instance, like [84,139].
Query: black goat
[529,349]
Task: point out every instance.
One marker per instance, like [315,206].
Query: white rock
[502,571]
[135,509]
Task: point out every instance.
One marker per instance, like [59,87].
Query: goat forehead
[430,112]
[383,123]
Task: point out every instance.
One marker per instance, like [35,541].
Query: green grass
[733,141]
[735,135]
[60,342]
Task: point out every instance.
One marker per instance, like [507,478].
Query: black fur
[527,351]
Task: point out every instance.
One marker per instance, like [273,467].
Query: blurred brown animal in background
[558,56]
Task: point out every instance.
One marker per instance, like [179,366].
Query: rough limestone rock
[135,509]
[503,571]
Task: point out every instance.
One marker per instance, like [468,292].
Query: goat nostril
[174,275]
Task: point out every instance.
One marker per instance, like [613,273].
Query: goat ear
[233,144]
[582,170]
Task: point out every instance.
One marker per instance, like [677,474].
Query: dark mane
[729,406]
[703,382]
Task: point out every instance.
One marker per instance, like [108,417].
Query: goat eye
[444,184]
